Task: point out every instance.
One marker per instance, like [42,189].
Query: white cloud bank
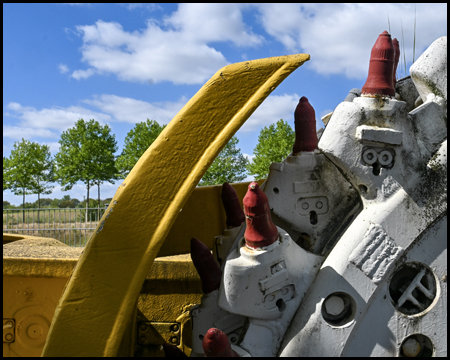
[180,48]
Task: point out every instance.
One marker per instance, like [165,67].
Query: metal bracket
[158,333]
[9,326]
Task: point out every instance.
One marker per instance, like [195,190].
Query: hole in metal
[281,305]
[276,190]
[416,345]
[313,217]
[412,288]
[338,309]
[376,168]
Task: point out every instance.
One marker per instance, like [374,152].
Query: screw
[142,339]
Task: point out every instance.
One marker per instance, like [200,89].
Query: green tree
[29,169]
[137,141]
[43,174]
[86,154]
[5,171]
[229,165]
[274,144]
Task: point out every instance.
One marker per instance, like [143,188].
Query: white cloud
[208,22]
[176,52]
[63,68]
[274,108]
[134,111]
[41,122]
[19,132]
[339,37]
[83,74]
[146,6]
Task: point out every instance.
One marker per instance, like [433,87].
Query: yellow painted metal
[101,294]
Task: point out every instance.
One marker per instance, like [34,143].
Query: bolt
[334,305]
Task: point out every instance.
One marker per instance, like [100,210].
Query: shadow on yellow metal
[100,297]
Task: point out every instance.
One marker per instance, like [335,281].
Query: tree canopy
[137,141]
[274,144]
[86,154]
[29,169]
[229,165]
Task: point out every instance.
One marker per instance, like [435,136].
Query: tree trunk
[39,206]
[87,203]
[23,208]
[98,204]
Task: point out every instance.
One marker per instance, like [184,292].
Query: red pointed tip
[216,344]
[396,59]
[172,351]
[233,209]
[381,68]
[207,268]
[260,230]
[305,127]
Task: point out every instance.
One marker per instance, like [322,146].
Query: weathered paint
[305,127]
[206,266]
[260,231]
[381,68]
[233,209]
[34,277]
[101,294]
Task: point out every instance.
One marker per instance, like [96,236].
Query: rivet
[305,206]
[8,337]
[142,339]
[143,327]
[175,327]
[319,205]
[174,340]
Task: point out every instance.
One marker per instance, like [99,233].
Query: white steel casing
[311,200]
[255,280]
[403,224]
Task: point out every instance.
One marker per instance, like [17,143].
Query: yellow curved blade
[101,294]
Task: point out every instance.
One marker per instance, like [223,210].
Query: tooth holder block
[101,294]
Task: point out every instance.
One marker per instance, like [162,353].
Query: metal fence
[71,226]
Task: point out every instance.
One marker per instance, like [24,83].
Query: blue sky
[123,63]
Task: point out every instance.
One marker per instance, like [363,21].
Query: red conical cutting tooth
[305,127]
[207,268]
[216,344]
[172,351]
[381,68]
[396,59]
[260,229]
[233,209]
